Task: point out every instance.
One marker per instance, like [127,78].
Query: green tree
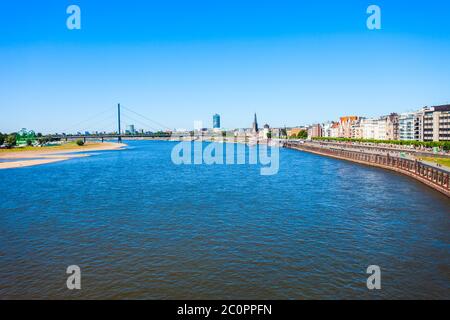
[29,142]
[11,139]
[444,145]
[303,134]
[80,142]
[43,141]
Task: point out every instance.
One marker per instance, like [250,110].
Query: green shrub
[80,142]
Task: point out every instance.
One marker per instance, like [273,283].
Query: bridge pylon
[119,138]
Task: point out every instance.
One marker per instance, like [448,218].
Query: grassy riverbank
[442,161]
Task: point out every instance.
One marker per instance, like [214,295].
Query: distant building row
[428,124]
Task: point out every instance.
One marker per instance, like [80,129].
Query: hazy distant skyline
[176,62]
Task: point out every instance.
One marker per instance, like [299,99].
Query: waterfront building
[436,123]
[263,134]
[295,131]
[406,126]
[327,129]
[276,133]
[392,127]
[419,129]
[216,121]
[249,132]
[382,128]
[357,129]
[334,130]
[374,128]
[240,132]
[315,131]
[428,124]
[346,124]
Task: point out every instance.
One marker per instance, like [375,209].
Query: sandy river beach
[38,156]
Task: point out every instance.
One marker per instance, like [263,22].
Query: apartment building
[334,130]
[392,127]
[346,124]
[406,126]
[327,129]
[436,123]
[357,129]
[315,131]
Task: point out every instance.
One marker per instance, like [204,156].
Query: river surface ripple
[141,227]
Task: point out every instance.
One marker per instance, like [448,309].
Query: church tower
[255,125]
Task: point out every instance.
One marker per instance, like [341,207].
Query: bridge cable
[89,119]
[159,124]
[146,125]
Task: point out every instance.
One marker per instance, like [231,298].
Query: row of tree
[444,145]
[8,139]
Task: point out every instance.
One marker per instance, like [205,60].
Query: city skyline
[312,65]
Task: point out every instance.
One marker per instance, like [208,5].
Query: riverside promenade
[431,175]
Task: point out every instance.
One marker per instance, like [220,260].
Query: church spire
[255,125]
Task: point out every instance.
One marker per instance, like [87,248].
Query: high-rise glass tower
[216,121]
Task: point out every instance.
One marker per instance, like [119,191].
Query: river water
[141,227]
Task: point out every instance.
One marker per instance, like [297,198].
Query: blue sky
[292,62]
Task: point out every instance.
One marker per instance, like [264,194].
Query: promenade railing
[433,176]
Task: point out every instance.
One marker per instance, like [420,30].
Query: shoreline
[34,157]
[399,170]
